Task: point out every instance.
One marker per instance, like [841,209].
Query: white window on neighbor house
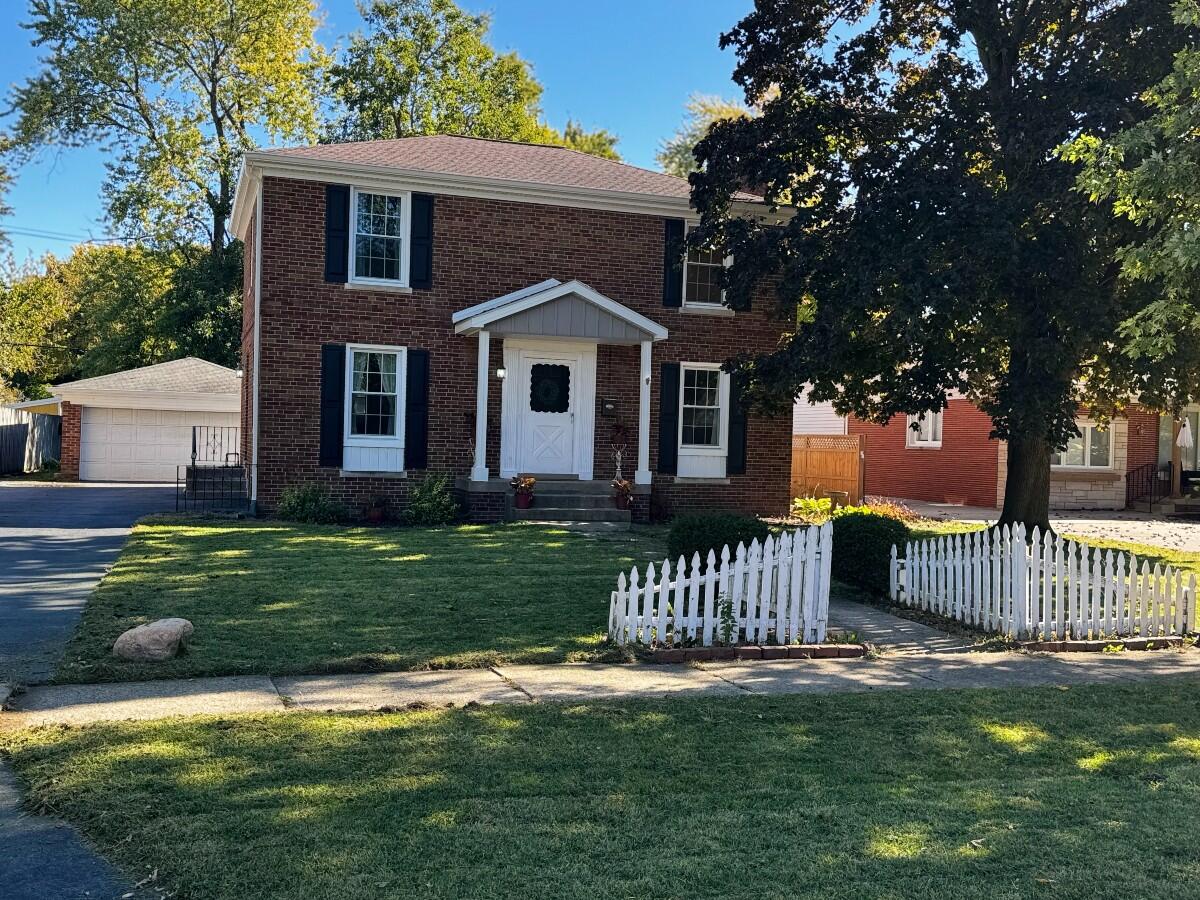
[374,419]
[925,430]
[703,420]
[379,243]
[1090,449]
[702,278]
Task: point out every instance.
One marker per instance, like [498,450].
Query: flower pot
[524,501]
[622,501]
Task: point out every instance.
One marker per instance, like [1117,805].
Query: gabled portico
[550,332]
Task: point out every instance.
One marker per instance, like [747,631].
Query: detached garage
[137,425]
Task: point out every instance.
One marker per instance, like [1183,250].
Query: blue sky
[624,65]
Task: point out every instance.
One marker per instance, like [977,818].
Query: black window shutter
[668,419]
[416,410]
[673,250]
[337,233]
[333,401]
[420,260]
[735,463]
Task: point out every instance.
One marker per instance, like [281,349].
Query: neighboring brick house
[950,457]
[411,302]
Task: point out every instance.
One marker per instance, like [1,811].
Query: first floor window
[700,417]
[1090,449]
[925,430]
[374,393]
[380,232]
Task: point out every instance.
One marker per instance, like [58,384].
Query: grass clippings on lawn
[279,598]
[1039,793]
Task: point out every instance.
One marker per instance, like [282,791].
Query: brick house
[950,457]
[483,308]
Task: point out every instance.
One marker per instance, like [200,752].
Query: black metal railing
[216,444]
[213,488]
[1149,482]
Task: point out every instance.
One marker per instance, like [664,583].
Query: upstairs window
[925,430]
[702,278]
[379,248]
[1090,449]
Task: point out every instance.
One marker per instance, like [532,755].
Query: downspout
[258,254]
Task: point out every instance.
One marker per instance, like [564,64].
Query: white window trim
[405,237]
[722,448]
[1086,428]
[912,439]
[375,440]
[697,305]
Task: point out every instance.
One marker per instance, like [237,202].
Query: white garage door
[139,444]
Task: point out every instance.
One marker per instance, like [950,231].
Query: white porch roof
[553,308]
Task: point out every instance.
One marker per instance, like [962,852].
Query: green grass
[278,598]
[1040,793]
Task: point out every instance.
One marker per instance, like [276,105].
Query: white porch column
[479,471]
[642,475]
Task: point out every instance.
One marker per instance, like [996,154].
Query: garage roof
[188,375]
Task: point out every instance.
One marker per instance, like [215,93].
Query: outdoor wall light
[501,373]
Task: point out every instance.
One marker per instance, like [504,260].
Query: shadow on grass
[946,794]
[276,598]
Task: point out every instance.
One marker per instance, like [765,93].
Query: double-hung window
[702,272]
[1090,449]
[925,430]
[379,249]
[703,420]
[374,421]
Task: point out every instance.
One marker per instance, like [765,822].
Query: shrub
[862,546]
[432,502]
[812,510]
[309,503]
[700,533]
[893,508]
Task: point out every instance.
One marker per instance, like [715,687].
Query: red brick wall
[72,419]
[1143,437]
[482,249]
[963,470]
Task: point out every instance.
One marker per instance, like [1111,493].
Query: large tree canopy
[936,242]
[426,67]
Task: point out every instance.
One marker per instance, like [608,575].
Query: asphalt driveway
[56,542]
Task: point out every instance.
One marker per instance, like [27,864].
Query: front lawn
[278,598]
[1045,793]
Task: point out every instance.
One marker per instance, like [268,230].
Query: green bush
[309,503]
[812,510]
[699,533]
[432,502]
[862,547]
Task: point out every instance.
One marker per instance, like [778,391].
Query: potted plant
[377,509]
[522,486]
[622,492]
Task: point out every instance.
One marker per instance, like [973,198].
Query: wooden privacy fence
[1043,587]
[827,462]
[773,592]
[27,440]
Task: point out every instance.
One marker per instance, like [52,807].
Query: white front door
[549,397]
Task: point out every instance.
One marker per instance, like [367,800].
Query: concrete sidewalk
[83,704]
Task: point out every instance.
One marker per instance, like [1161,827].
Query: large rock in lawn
[153,642]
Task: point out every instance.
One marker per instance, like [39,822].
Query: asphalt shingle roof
[503,160]
[189,375]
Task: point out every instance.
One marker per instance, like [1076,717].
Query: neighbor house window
[702,278]
[925,430]
[1090,449]
[374,407]
[379,249]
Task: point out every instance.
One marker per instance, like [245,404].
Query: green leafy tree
[675,155]
[34,309]
[934,241]
[426,67]
[1149,173]
[177,90]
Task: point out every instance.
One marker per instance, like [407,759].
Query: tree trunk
[1027,485]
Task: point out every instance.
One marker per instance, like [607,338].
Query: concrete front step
[571,514]
[574,501]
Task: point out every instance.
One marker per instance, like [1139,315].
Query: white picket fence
[1035,585]
[777,591]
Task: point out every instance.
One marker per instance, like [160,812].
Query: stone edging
[1160,643]
[755,651]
